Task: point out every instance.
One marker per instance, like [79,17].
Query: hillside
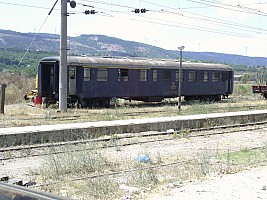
[100,45]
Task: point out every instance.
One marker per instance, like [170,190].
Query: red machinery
[260,89]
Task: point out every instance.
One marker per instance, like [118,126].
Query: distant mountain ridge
[101,45]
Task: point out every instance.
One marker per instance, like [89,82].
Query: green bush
[242,90]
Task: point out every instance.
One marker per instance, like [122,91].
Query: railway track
[121,140]
[125,143]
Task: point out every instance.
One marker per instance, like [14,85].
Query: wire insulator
[143,10]
[136,10]
[88,12]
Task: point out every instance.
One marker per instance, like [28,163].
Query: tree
[261,75]
[245,78]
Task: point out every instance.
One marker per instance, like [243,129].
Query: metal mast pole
[180,78]
[63,59]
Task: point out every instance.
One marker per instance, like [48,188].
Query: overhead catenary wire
[156,21]
[150,20]
[207,19]
[253,3]
[221,23]
[107,3]
[228,7]
[213,20]
[251,32]
[28,48]
[24,5]
[197,28]
[36,35]
[203,17]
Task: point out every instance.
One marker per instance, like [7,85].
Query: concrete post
[180,78]
[63,59]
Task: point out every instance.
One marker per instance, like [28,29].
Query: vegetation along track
[103,165]
[9,153]
[25,116]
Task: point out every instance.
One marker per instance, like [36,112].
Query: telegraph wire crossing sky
[226,26]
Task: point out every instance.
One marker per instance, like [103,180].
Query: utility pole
[63,58]
[181,48]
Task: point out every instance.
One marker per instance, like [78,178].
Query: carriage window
[204,76]
[86,74]
[51,76]
[216,76]
[177,76]
[166,75]
[155,75]
[122,74]
[192,76]
[142,75]
[72,72]
[224,76]
[102,74]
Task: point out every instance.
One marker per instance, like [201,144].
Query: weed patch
[72,162]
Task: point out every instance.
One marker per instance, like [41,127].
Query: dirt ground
[247,185]
[244,185]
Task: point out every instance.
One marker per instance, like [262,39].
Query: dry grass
[146,176]
[20,113]
[24,115]
[104,177]
[17,86]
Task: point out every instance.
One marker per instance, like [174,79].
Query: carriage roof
[136,63]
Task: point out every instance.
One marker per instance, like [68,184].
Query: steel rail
[115,139]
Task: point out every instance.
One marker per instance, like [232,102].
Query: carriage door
[72,80]
[48,78]
[230,82]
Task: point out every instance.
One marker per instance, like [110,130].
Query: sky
[223,26]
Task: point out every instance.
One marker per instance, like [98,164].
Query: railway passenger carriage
[95,80]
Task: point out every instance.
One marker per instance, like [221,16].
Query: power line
[161,21]
[209,19]
[108,4]
[212,20]
[32,42]
[218,22]
[206,19]
[198,28]
[227,7]
[182,14]
[27,50]
[179,7]
[253,3]
[24,5]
